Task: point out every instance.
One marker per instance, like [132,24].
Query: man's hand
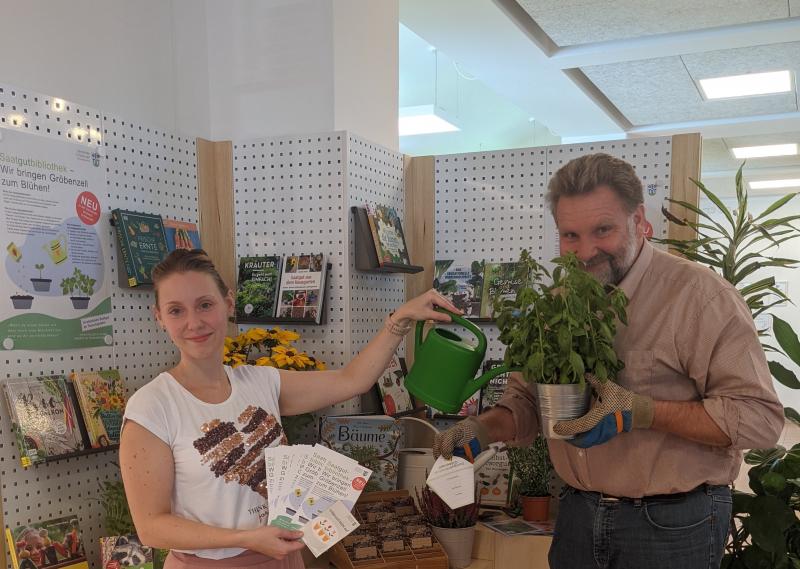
[615,410]
[467,439]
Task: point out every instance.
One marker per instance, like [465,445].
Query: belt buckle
[604,498]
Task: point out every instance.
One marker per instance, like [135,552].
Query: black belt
[652,498]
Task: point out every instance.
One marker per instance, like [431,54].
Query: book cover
[372,440]
[142,242]
[395,398]
[181,234]
[257,288]
[493,391]
[461,283]
[493,479]
[302,287]
[500,280]
[387,233]
[43,418]
[101,395]
[120,551]
[52,543]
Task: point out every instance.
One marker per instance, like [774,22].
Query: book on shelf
[395,398]
[101,395]
[461,282]
[142,244]
[372,440]
[387,235]
[51,543]
[257,288]
[118,551]
[493,391]
[302,287]
[500,280]
[181,234]
[44,418]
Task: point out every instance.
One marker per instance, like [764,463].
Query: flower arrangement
[273,348]
[105,396]
[440,515]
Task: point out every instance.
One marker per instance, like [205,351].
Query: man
[649,470]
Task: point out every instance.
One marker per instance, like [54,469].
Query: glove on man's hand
[615,410]
[467,439]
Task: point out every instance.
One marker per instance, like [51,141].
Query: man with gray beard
[649,470]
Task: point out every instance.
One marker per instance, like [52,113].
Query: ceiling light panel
[743,152]
[747,85]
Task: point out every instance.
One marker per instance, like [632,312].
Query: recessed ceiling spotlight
[765,151]
[775,184]
[747,85]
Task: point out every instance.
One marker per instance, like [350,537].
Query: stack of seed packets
[304,482]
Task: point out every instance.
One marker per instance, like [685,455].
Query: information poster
[55,281]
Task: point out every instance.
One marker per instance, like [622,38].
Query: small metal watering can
[443,373]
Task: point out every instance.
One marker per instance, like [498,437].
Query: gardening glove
[615,410]
[467,439]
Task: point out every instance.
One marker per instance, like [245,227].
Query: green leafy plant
[531,466]
[440,515]
[39,267]
[118,520]
[557,329]
[77,282]
[765,531]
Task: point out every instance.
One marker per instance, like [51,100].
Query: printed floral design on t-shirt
[236,451]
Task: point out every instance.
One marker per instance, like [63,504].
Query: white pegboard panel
[146,170]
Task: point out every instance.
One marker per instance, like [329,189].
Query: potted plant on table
[454,529]
[558,328]
[530,475]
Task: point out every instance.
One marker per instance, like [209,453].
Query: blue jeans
[684,532]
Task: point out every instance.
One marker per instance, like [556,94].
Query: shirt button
[580,452]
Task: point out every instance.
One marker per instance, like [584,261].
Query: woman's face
[194,313]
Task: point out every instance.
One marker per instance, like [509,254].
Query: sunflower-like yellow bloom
[319,365]
[265,361]
[256,335]
[285,337]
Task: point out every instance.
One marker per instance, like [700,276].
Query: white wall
[113,55]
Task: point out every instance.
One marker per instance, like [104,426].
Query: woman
[192,443]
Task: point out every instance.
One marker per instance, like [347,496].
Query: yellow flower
[237,359]
[265,361]
[320,365]
[256,335]
[115,402]
[285,337]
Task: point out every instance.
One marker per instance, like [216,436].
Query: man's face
[598,229]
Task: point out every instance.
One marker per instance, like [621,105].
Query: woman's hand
[422,308]
[272,541]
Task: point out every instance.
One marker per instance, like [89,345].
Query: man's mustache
[597,260]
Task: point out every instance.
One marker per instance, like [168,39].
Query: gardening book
[493,391]
[52,543]
[500,280]
[257,289]
[142,244]
[43,418]
[493,480]
[120,551]
[387,235]
[302,287]
[461,283]
[101,395]
[372,440]
[181,235]
[395,398]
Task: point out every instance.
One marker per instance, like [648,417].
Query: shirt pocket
[637,375]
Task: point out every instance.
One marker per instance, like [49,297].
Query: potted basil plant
[558,328]
[530,473]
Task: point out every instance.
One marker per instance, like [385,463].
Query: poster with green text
[55,286]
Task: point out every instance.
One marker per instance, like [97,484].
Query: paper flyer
[330,527]
[453,480]
[315,478]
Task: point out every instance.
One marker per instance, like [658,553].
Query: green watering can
[443,374]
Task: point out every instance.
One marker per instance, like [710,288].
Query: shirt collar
[630,282]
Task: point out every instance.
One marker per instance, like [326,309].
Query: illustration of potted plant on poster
[22,301]
[41,284]
[80,284]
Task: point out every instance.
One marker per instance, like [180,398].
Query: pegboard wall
[292,195]
[146,170]
[491,206]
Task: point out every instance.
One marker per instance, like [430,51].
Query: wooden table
[493,550]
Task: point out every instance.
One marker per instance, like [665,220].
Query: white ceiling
[594,69]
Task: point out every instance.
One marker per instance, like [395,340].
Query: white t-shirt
[218,448]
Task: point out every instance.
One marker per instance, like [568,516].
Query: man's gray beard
[617,269]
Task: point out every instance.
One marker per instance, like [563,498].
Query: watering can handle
[477,332]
